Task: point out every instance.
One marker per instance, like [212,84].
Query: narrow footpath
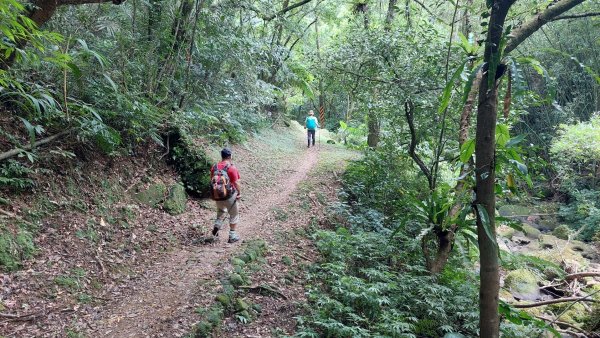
[158,303]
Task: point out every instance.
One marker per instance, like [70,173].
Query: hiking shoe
[233,237]
[215,232]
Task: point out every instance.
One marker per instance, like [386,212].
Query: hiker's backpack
[311,122]
[220,185]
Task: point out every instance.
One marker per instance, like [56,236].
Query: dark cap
[225,153]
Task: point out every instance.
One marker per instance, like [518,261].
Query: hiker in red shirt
[225,186]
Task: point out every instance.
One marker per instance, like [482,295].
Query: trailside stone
[562,231]
[176,202]
[153,195]
[531,232]
[523,284]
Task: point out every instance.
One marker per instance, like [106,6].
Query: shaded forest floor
[107,266]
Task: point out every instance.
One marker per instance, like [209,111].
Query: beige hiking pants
[230,206]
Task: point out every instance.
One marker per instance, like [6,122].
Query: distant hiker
[311,124]
[225,190]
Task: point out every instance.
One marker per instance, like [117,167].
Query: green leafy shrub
[362,289]
[15,176]
[14,248]
[374,187]
[583,213]
[577,150]
[562,231]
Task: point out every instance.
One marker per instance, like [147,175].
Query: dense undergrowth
[372,280]
[369,285]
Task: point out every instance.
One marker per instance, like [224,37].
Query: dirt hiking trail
[169,289]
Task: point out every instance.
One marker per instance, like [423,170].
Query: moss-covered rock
[562,231]
[153,195]
[592,322]
[573,313]
[531,232]
[236,279]
[505,231]
[191,162]
[176,202]
[523,284]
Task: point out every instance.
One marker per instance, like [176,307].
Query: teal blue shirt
[311,123]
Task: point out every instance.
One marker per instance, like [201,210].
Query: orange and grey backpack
[220,185]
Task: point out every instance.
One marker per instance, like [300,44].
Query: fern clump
[360,290]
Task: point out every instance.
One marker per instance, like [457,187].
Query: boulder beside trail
[175,203]
[523,284]
[152,195]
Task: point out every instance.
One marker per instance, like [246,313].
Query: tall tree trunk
[321,92]
[373,124]
[391,13]
[180,24]
[485,147]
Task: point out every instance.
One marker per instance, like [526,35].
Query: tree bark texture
[373,126]
[391,13]
[485,147]
[521,33]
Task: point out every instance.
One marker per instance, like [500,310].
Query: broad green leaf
[502,134]
[447,94]
[467,150]
[76,71]
[535,64]
[469,82]
[485,222]
[520,166]
[515,140]
[111,82]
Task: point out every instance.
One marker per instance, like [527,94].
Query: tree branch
[285,10]
[582,274]
[17,151]
[554,301]
[408,110]
[576,16]
[527,29]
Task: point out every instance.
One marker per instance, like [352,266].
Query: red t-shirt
[232,172]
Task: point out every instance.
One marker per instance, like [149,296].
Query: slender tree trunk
[154,14]
[180,24]
[391,13]
[321,92]
[373,124]
[485,147]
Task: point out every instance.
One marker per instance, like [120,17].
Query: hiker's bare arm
[237,187]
